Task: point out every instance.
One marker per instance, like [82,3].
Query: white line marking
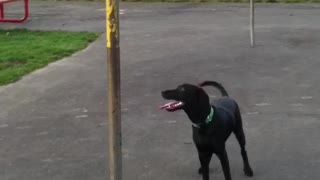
[250,113]
[4,125]
[82,116]
[297,104]
[263,104]
[42,133]
[306,97]
[23,127]
[172,122]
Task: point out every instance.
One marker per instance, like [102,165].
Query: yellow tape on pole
[112,23]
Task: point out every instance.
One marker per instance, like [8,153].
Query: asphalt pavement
[53,121]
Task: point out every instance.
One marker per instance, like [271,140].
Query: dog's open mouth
[172,105]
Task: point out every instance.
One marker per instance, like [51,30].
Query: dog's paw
[200,170]
[248,171]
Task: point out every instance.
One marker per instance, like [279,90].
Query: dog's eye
[181,89]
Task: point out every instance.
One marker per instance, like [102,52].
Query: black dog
[212,124]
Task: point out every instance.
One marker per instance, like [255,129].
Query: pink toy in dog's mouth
[172,105]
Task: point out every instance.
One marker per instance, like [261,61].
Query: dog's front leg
[225,164]
[204,158]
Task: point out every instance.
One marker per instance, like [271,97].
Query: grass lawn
[22,51]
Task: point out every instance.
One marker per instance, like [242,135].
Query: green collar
[207,121]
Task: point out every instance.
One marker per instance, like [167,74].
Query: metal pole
[252,36]
[113,78]
[1,11]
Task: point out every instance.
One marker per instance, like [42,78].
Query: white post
[252,38]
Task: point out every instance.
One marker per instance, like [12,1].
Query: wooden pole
[113,85]
[252,33]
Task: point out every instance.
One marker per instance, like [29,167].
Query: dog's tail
[216,85]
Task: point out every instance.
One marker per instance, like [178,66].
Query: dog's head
[187,97]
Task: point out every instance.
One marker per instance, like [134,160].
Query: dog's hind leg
[238,131]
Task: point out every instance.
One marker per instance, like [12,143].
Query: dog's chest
[204,140]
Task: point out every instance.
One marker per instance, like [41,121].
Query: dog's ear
[202,96]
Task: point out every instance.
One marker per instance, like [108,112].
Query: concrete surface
[52,122]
